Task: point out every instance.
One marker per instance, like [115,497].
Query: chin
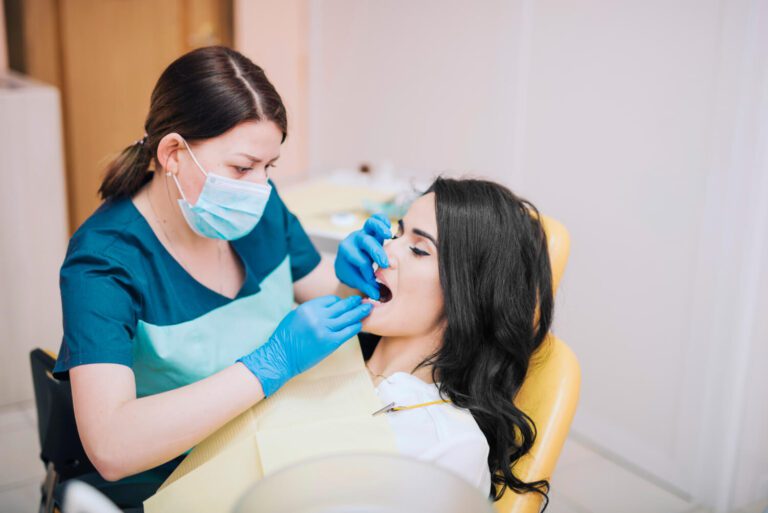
[387,319]
[376,323]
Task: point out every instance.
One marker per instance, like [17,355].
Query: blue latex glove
[359,251]
[304,337]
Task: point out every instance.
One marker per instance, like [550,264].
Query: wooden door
[105,56]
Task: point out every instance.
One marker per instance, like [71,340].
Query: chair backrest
[559,244]
[549,394]
[59,440]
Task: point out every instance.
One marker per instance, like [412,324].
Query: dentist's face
[414,304]
[245,152]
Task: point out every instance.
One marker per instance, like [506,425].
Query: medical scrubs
[127,301]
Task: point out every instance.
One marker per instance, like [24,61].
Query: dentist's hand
[359,251]
[304,337]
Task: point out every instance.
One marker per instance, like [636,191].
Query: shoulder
[277,219]
[115,232]
[443,433]
[278,235]
[452,424]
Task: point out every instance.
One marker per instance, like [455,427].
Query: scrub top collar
[250,284]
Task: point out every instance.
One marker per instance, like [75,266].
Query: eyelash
[416,251]
[243,170]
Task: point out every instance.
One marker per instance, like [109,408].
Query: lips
[385,291]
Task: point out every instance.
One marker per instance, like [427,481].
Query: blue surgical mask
[226,208]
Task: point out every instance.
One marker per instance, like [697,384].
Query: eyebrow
[254,158]
[419,232]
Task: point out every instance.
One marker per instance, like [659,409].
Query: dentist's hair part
[497,287]
[200,95]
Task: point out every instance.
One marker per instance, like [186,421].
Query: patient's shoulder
[448,422]
[442,433]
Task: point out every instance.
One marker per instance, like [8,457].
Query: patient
[465,302]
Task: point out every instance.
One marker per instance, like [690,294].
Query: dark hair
[200,95]
[497,288]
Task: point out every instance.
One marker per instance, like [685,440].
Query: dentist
[178,292]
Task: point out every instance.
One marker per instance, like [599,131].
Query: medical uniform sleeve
[100,312]
[304,255]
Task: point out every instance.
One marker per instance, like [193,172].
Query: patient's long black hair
[497,286]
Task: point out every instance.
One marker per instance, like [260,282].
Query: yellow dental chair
[549,394]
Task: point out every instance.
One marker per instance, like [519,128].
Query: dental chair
[549,393]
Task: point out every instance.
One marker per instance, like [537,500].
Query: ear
[167,152]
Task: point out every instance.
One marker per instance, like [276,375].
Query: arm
[123,435]
[320,282]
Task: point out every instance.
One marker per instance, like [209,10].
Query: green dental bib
[168,357]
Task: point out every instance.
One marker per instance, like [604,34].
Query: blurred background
[641,125]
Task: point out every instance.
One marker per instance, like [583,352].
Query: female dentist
[177,292]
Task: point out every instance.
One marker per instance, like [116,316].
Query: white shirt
[443,433]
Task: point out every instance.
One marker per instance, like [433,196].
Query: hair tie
[141,141]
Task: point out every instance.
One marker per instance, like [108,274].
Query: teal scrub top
[127,301]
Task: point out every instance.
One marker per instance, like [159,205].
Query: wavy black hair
[497,288]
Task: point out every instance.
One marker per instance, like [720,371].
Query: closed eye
[418,252]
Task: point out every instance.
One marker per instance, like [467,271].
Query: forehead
[422,215]
[259,138]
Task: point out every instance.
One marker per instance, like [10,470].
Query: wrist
[252,381]
[267,366]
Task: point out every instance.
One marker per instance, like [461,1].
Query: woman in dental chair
[463,299]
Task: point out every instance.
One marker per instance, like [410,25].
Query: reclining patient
[465,299]
[464,302]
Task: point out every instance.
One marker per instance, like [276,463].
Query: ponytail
[128,172]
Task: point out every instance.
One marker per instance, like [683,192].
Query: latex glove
[359,251]
[304,337]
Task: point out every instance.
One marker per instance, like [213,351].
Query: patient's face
[416,301]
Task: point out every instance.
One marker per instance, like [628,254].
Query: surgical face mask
[226,208]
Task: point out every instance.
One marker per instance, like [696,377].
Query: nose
[260,176]
[389,249]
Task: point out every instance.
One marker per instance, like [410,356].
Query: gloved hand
[359,251]
[304,337]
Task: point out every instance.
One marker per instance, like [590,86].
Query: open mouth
[385,295]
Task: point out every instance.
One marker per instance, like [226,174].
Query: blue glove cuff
[260,363]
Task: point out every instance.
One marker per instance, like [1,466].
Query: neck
[162,196]
[403,354]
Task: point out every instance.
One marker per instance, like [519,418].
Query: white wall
[618,100]
[273,34]
[428,85]
[620,119]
